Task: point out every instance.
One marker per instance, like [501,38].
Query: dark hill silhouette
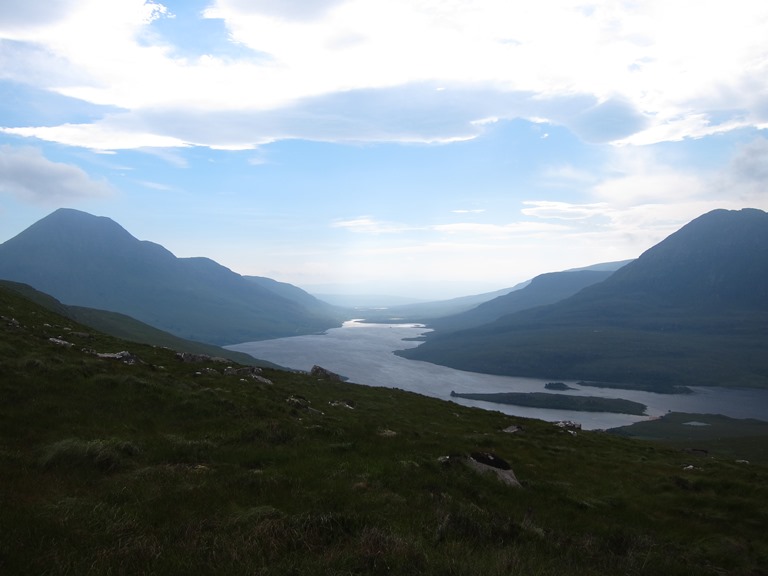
[91,261]
[543,289]
[691,310]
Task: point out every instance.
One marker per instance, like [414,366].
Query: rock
[513,429]
[488,462]
[243,371]
[123,356]
[297,401]
[324,374]
[568,425]
[343,403]
[60,342]
[253,372]
[195,358]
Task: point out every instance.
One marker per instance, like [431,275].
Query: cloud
[564,210]
[402,71]
[368,225]
[607,121]
[156,186]
[746,175]
[32,13]
[750,164]
[28,175]
[301,10]
[499,230]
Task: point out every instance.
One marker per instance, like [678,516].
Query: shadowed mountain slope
[691,310]
[543,289]
[84,260]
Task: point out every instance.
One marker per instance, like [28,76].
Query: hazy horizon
[399,148]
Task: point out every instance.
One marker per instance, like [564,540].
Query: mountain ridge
[691,310]
[86,260]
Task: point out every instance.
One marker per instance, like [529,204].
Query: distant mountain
[543,289]
[477,309]
[296,294]
[84,260]
[691,310]
[429,310]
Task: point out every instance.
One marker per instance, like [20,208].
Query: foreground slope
[91,261]
[691,310]
[151,465]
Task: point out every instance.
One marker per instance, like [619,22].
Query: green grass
[742,439]
[151,468]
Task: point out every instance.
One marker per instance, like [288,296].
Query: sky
[428,148]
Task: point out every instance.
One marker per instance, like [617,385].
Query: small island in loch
[559,386]
[559,401]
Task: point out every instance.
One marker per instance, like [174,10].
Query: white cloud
[368,225]
[567,175]
[635,73]
[500,230]
[99,136]
[32,14]
[564,210]
[28,175]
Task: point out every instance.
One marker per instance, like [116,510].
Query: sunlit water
[364,354]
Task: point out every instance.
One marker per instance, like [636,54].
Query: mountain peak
[92,261]
[68,224]
[720,257]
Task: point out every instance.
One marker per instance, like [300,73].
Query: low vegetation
[146,464]
[559,401]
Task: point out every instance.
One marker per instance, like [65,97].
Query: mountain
[541,290]
[84,260]
[474,310]
[296,294]
[425,311]
[691,310]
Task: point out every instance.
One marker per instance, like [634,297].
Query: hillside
[477,309]
[691,310]
[146,464]
[127,328]
[84,260]
[543,289]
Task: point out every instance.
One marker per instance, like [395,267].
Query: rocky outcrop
[324,374]
[191,358]
[486,463]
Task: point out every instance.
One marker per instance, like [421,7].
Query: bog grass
[164,467]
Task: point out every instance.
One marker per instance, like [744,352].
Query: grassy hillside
[160,466]
[127,328]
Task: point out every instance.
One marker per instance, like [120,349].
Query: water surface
[364,354]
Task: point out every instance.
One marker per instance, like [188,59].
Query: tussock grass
[73,453]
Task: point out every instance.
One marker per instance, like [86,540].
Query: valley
[364,353]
